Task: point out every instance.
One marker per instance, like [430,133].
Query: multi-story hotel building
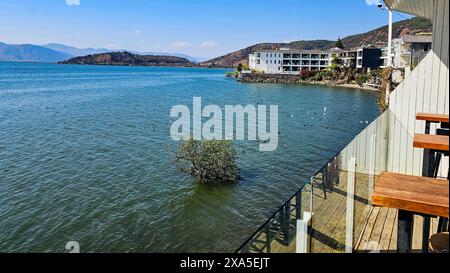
[286,61]
[291,61]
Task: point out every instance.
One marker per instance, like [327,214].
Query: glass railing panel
[279,234]
[328,230]
[369,228]
[343,205]
[332,212]
[370,157]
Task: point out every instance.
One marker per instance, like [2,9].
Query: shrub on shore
[307,74]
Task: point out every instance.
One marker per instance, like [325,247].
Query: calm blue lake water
[86,155]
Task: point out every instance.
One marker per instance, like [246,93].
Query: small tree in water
[208,161]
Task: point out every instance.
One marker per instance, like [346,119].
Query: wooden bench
[431,142]
[411,195]
[421,195]
[436,118]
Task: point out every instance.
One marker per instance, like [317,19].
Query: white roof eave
[421,8]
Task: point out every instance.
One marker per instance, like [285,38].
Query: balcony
[333,212]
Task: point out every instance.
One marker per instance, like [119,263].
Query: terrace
[387,191]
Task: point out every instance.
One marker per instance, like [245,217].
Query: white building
[285,61]
[409,50]
[291,61]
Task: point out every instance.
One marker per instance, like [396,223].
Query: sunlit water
[86,155]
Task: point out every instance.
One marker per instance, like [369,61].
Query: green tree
[337,61]
[339,43]
[208,161]
[239,67]
[361,79]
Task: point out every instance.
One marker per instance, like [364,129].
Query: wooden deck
[329,221]
[374,229]
[380,232]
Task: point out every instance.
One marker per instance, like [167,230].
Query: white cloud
[137,32]
[373,2]
[73,2]
[208,44]
[180,45]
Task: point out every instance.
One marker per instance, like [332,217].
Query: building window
[258,61]
[267,62]
[426,48]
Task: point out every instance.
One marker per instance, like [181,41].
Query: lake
[86,155]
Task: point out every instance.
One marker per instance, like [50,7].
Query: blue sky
[202,28]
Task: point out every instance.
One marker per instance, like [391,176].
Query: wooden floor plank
[325,231]
[417,232]
[361,211]
[393,243]
[324,219]
[387,231]
[377,230]
[368,230]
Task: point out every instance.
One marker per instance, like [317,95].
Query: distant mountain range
[76,52]
[377,37]
[30,53]
[52,53]
[59,52]
[124,58]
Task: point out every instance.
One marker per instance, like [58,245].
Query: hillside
[30,53]
[129,59]
[377,37]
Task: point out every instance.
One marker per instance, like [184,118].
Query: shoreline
[294,79]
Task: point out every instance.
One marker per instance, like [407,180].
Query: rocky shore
[296,79]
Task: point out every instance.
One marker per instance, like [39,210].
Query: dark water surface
[86,155]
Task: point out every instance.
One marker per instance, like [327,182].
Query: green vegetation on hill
[129,59]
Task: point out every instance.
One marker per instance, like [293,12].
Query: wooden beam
[431,142]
